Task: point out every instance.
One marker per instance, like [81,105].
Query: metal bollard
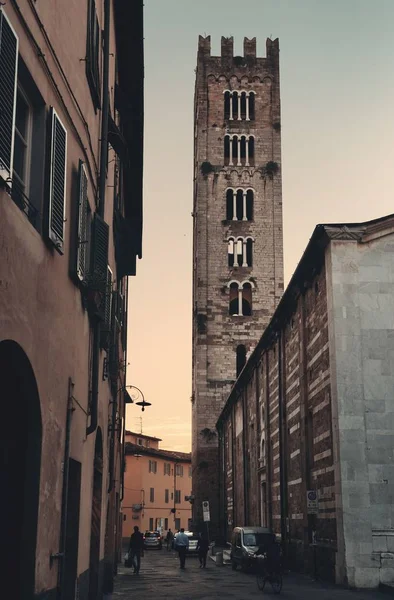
[219,559]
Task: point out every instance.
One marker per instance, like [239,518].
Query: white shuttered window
[57,182]
[8,87]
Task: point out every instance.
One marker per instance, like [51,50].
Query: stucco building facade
[312,412]
[157,484]
[70,233]
[238,246]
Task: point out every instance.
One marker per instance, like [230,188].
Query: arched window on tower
[249,252]
[243,105]
[230,252]
[240,299]
[227,100]
[251,106]
[251,150]
[239,204]
[241,358]
[239,214]
[249,205]
[230,204]
[234,297]
[227,143]
[234,101]
[247,299]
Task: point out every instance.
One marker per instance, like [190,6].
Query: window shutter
[57,183]
[82,224]
[8,86]
[106,325]
[99,255]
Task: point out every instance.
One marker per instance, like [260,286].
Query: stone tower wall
[217,333]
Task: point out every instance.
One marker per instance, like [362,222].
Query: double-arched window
[240,252]
[239,150]
[240,304]
[239,105]
[239,204]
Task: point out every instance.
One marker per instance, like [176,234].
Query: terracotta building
[71,125]
[306,438]
[157,484]
[238,242]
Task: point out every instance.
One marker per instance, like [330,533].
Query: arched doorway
[20,464]
[94,562]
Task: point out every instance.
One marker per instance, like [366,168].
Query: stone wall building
[71,140]
[313,410]
[238,246]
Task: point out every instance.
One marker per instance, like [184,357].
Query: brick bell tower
[237,237]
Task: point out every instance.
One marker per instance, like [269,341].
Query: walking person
[169,539]
[136,549]
[182,545]
[202,548]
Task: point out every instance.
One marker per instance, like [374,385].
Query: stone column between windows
[244,217]
[235,246]
[246,151]
[230,162]
[231,106]
[239,152]
[244,261]
[239,107]
[247,107]
[235,205]
[240,313]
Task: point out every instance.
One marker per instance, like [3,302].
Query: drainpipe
[101,210]
[63,520]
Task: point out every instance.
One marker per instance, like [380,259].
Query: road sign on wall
[312,505]
[205,511]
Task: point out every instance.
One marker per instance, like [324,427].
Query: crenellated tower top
[227,49]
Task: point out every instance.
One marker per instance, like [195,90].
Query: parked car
[152,539]
[245,541]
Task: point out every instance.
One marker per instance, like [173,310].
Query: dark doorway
[20,464]
[94,562]
[72,530]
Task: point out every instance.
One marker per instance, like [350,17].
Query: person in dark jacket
[136,548]
[202,548]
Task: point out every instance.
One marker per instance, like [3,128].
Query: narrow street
[160,577]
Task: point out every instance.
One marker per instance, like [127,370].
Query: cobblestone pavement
[161,578]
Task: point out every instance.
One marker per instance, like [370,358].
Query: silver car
[152,539]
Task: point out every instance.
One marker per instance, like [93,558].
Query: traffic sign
[312,505]
[205,511]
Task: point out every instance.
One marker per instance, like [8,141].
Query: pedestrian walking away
[182,545]
[202,548]
[136,549]
[169,539]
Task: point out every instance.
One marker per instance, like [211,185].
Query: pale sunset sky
[337,96]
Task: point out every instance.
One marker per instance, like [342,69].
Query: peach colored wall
[40,306]
[138,482]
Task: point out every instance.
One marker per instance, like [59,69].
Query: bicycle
[263,575]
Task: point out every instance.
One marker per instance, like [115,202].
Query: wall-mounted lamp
[133,396]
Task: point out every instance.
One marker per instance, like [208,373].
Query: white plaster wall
[361,321]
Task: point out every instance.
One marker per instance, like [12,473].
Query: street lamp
[130,398]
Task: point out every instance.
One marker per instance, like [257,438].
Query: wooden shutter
[82,241]
[99,254]
[8,86]
[57,182]
[106,325]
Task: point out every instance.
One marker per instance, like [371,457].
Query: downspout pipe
[64,511]
[101,210]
